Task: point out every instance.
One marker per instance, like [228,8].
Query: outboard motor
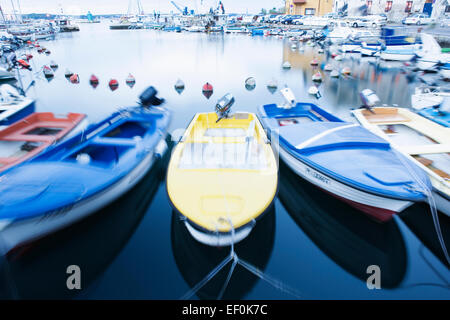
[289,98]
[369,99]
[148,98]
[223,106]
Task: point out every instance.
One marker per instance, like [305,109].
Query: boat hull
[380,208]
[393,56]
[22,232]
[22,111]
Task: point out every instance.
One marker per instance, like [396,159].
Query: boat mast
[3,16]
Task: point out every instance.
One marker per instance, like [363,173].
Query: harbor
[170,157]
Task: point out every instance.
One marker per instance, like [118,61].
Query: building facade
[395,10]
[309,7]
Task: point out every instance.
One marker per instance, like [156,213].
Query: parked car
[418,19]
[357,22]
[315,21]
[290,19]
[332,16]
[298,21]
[376,21]
[274,18]
[445,22]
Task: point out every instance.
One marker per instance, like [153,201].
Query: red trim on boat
[19,131]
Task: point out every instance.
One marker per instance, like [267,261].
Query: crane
[183,12]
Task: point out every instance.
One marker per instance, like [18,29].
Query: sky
[78,7]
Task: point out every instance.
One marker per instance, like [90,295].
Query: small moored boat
[83,174]
[26,138]
[222,175]
[423,141]
[318,146]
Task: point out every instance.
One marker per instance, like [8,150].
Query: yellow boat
[426,142]
[222,177]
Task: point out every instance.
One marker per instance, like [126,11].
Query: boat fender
[83,158]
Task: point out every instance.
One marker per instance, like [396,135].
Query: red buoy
[93,80]
[23,64]
[207,90]
[113,84]
[74,78]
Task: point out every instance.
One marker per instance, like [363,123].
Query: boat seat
[384,115]
[223,155]
[225,132]
[114,142]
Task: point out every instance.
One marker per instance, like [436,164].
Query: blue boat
[343,159]
[437,115]
[83,174]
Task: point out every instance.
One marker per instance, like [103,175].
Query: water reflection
[420,221]
[195,260]
[344,234]
[38,271]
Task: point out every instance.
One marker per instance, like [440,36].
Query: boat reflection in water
[420,221]
[350,239]
[39,271]
[195,260]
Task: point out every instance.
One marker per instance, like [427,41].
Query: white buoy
[334,74]
[313,90]
[68,73]
[317,77]
[83,158]
[346,71]
[250,83]
[320,51]
[294,46]
[286,65]
[272,84]
[314,62]
[179,84]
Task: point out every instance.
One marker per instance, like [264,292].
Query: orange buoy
[207,90]
[93,80]
[74,78]
[113,84]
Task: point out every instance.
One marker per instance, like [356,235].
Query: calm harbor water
[137,248]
